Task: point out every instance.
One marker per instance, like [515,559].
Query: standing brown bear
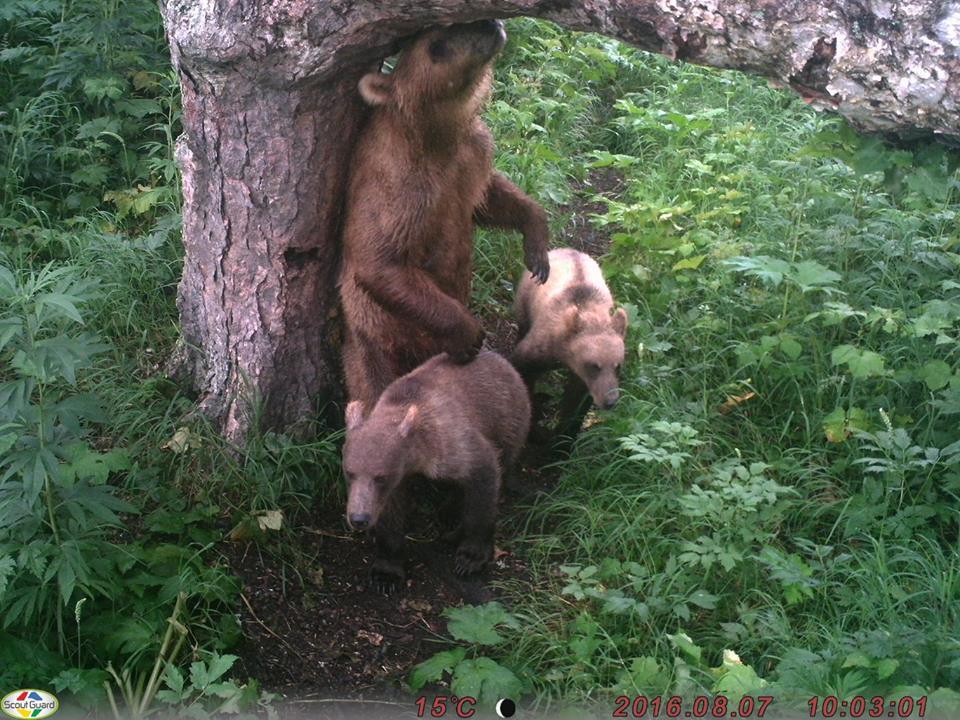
[452,423]
[422,176]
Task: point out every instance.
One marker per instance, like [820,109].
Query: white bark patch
[948,29]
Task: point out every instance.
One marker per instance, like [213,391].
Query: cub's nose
[359,521]
[610,400]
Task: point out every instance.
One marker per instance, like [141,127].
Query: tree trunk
[271,113]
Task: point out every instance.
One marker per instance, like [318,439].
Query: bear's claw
[386,579]
[470,559]
[539,268]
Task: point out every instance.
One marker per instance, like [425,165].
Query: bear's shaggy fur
[422,175]
[570,321]
[460,424]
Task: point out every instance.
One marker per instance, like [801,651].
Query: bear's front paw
[471,557]
[539,266]
[387,577]
[468,350]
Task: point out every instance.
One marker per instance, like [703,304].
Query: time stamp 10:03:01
[719,706]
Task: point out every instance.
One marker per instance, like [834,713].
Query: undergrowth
[776,496]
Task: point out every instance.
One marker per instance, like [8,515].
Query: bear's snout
[359,521]
[608,399]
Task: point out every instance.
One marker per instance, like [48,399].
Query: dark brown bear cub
[421,176]
[448,422]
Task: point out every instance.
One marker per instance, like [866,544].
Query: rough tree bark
[271,114]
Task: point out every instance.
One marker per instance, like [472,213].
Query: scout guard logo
[29,704]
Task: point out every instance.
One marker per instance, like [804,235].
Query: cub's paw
[387,577]
[471,557]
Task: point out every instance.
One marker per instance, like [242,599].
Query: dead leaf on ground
[373,638]
[734,401]
[181,441]
[418,605]
[270,520]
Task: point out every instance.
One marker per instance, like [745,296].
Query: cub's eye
[380,479]
[438,50]
[593,368]
[617,367]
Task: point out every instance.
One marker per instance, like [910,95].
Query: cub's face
[440,64]
[374,459]
[597,359]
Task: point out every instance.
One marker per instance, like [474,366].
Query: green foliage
[54,500]
[780,476]
[478,676]
[102,125]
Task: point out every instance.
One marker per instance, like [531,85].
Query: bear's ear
[571,320]
[409,421]
[376,88]
[619,322]
[354,414]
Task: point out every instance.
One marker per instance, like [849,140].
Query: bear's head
[440,66]
[596,354]
[375,456]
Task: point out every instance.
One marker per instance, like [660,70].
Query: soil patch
[580,233]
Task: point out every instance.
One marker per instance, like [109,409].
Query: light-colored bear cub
[570,321]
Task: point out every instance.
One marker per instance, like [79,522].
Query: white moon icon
[506,708]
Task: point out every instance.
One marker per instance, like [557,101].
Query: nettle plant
[55,505]
[735,506]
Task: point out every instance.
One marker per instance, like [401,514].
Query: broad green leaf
[790,347]
[690,263]
[478,623]
[486,680]
[199,677]
[138,107]
[173,678]
[839,424]
[810,274]
[433,669]
[766,268]
[935,374]
[219,665]
[645,675]
[886,668]
[857,659]
[703,599]
[861,363]
[943,702]
[737,679]
[685,645]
